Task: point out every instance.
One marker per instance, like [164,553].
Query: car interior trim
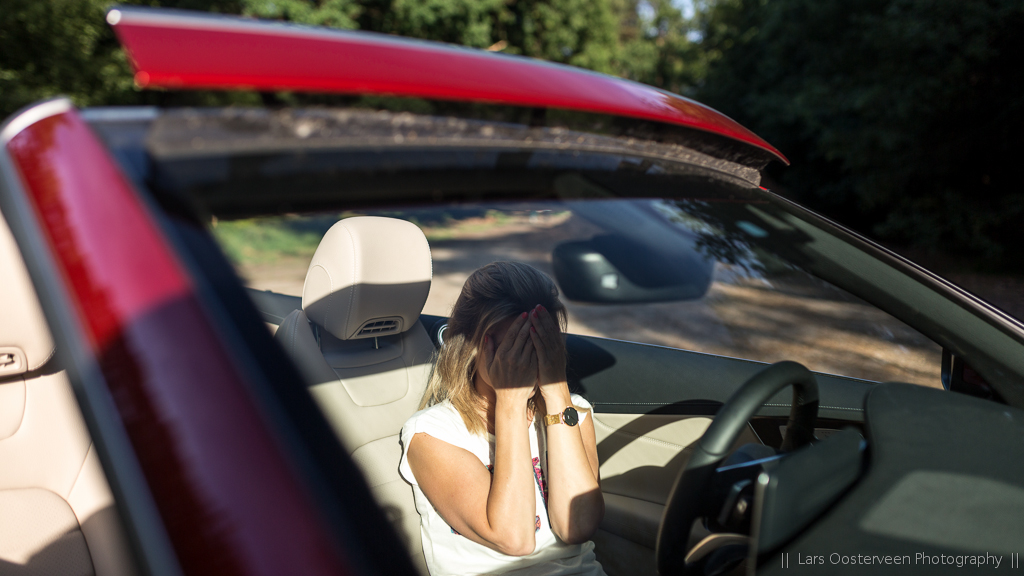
[150,543]
[148,307]
[30,115]
[992,314]
[909,489]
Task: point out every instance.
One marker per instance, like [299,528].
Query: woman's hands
[528,357]
[511,366]
[550,347]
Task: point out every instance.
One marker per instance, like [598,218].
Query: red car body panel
[185,51]
[226,492]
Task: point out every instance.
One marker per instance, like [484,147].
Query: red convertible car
[216,320]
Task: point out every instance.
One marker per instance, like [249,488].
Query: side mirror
[614,269]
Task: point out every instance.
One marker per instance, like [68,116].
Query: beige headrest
[369,277]
[25,341]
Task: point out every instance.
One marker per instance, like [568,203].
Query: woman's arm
[498,514]
[496,511]
[575,501]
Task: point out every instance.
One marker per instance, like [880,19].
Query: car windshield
[649,241]
[746,302]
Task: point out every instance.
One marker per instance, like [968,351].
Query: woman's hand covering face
[512,365]
[550,346]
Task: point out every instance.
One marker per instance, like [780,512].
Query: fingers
[549,344]
[508,341]
[544,322]
[522,339]
[549,322]
[539,346]
[513,364]
[538,342]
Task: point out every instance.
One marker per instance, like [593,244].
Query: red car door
[200,445]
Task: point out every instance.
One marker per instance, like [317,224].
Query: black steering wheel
[688,499]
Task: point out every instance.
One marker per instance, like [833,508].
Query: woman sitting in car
[503,458]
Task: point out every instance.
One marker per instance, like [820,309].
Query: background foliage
[901,117]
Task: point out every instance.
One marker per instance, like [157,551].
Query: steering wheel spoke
[713,542]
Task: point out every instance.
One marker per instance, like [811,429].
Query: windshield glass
[755,303]
[648,240]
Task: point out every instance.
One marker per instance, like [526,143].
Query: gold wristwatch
[569,417]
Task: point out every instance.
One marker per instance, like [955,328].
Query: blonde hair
[493,293]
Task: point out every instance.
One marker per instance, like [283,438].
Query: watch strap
[569,417]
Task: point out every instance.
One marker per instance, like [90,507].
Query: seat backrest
[360,346]
[57,513]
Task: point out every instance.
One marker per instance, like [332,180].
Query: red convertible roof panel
[171,49]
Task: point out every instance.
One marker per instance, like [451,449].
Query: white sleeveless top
[449,553]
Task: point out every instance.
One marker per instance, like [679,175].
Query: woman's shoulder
[441,421]
[441,413]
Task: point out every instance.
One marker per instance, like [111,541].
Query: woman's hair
[493,293]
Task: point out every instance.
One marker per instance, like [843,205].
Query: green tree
[475,23]
[333,13]
[59,47]
[65,47]
[656,46]
[51,47]
[900,116]
[577,32]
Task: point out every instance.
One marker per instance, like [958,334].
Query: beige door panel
[632,519]
[622,557]
[641,456]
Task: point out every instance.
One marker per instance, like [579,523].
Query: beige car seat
[57,513]
[360,346]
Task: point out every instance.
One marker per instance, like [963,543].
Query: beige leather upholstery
[368,274]
[641,456]
[57,514]
[369,277]
[25,343]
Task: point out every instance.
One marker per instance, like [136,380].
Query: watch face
[571,417]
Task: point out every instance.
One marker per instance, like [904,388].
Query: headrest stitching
[295,330]
[352,293]
[53,351]
[430,258]
[330,290]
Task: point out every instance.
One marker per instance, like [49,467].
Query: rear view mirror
[614,269]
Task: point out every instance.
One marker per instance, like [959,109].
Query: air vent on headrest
[378,328]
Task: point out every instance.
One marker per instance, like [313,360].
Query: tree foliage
[900,116]
[51,47]
[656,46]
[333,13]
[59,47]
